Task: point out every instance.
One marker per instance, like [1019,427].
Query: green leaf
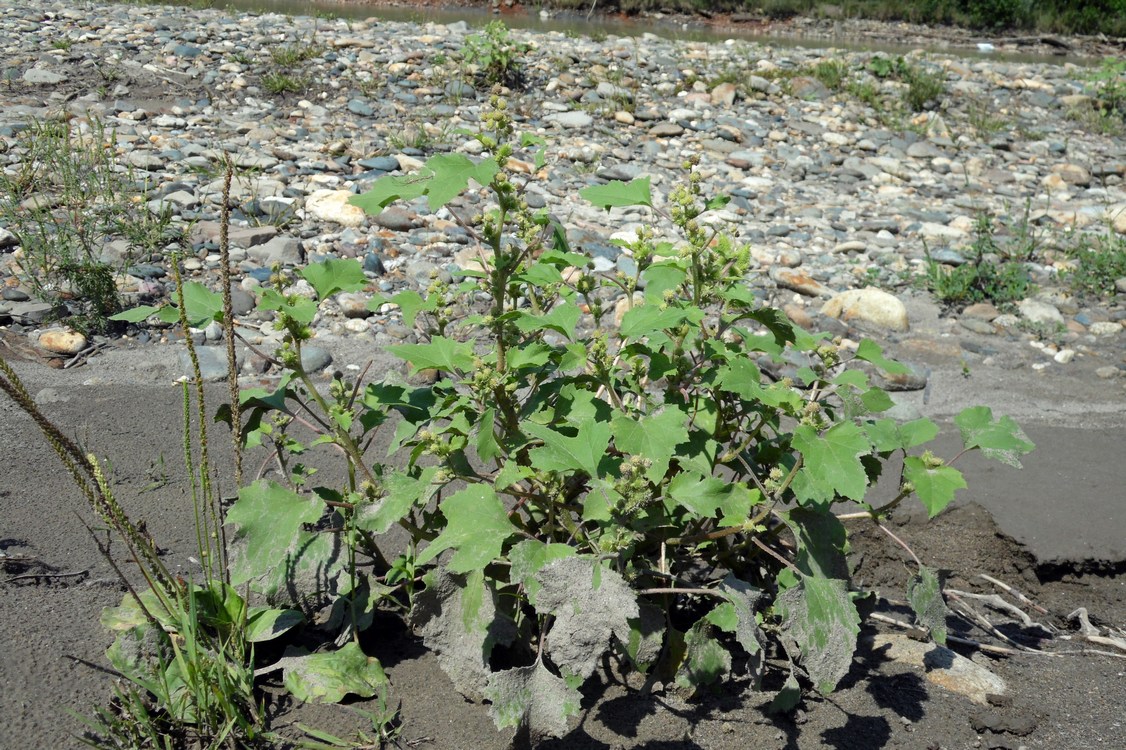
[410,303]
[535,354]
[934,486]
[403,492]
[888,435]
[617,194]
[487,446]
[647,320]
[335,275]
[301,309]
[559,452]
[818,616]
[440,354]
[136,314]
[532,698]
[562,319]
[265,624]
[654,437]
[924,594]
[1001,439]
[590,604]
[706,496]
[328,677]
[458,620]
[452,173]
[831,464]
[387,190]
[270,544]
[477,527]
[705,659]
[870,351]
[528,557]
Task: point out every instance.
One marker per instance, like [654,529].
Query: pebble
[835,206]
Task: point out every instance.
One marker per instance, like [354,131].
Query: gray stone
[315,358]
[30,313]
[284,250]
[41,77]
[666,130]
[395,218]
[212,363]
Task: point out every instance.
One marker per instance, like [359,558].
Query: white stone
[1105,328]
[332,205]
[871,305]
[62,341]
[1063,356]
[1038,311]
[941,666]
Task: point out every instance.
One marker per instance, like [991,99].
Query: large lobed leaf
[831,463]
[477,527]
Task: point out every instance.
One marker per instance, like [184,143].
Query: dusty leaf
[271,545]
[820,619]
[458,620]
[924,594]
[532,698]
[590,604]
[328,677]
[705,659]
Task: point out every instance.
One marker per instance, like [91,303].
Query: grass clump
[992,274]
[66,199]
[496,56]
[1097,265]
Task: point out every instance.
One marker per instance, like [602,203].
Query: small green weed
[980,280]
[832,73]
[1098,264]
[66,199]
[277,82]
[62,43]
[294,54]
[496,55]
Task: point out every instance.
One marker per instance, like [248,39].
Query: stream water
[601,25]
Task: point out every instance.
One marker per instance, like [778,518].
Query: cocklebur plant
[658,489]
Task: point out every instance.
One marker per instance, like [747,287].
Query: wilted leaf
[822,542]
[705,658]
[924,594]
[821,620]
[532,698]
[328,677]
[590,604]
